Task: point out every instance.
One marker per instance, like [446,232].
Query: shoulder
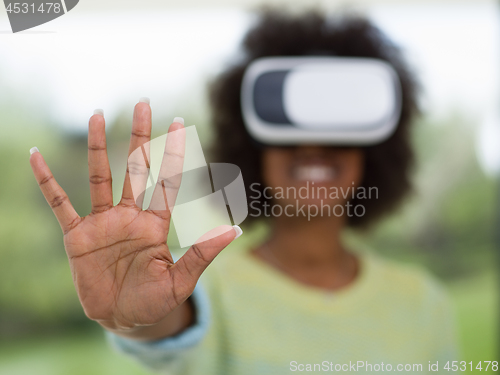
[409,285]
[415,279]
[422,299]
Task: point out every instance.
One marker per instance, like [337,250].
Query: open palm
[121,265]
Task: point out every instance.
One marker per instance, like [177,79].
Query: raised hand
[121,265]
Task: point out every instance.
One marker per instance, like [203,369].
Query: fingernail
[144,100]
[179,120]
[99,112]
[238,231]
[33,150]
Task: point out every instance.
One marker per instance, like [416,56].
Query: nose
[312,150]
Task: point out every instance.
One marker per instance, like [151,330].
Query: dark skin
[122,269]
[311,251]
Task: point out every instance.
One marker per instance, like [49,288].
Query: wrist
[175,322]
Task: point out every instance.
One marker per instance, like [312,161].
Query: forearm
[174,323]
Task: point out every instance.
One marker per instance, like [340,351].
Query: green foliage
[476,305]
[448,224]
[35,282]
[76,354]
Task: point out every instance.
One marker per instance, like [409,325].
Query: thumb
[192,264]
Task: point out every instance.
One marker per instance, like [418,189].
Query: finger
[53,193]
[202,253]
[101,192]
[138,163]
[170,176]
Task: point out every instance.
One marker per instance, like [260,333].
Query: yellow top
[392,317]
[264,322]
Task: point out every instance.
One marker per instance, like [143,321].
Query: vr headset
[320,100]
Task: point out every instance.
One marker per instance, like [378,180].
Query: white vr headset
[320,100]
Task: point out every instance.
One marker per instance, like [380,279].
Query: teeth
[315,173]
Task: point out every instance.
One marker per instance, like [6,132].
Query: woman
[300,301]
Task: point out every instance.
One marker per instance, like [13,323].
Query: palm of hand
[121,265]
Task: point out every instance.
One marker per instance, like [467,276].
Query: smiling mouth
[314,173]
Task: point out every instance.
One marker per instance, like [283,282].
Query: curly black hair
[277,33]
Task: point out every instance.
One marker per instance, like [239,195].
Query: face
[318,175]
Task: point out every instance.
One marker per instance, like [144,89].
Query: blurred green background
[449,226]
